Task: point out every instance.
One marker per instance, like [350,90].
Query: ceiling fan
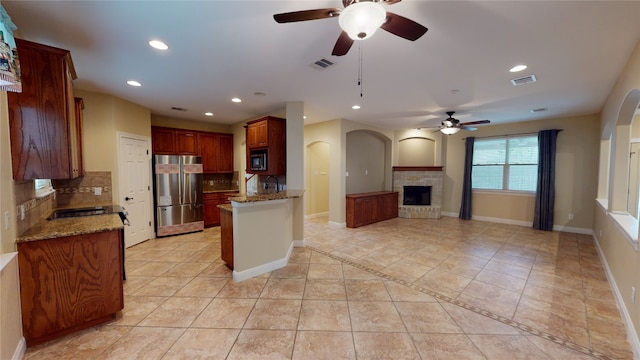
[352,24]
[451,125]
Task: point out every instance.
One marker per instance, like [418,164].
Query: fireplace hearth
[416,195]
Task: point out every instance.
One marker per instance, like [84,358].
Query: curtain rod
[507,135]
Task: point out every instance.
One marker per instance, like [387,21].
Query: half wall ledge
[417,168]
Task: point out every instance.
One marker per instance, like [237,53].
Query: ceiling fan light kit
[361,20]
[449,130]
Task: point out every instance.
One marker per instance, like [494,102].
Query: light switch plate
[6,220]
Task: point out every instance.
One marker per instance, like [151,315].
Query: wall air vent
[523,80]
[322,64]
[178,108]
[539,110]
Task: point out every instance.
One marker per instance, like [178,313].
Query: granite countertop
[286,194]
[49,229]
[225,207]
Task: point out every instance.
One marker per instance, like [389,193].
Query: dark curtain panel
[465,206]
[546,192]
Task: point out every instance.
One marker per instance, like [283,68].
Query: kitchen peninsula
[262,232]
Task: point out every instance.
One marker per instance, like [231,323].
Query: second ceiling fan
[359,20]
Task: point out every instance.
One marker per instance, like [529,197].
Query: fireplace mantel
[417,168]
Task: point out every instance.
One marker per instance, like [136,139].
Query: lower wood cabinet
[211,210]
[69,283]
[226,236]
[368,208]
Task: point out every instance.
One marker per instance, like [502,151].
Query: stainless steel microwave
[258,161]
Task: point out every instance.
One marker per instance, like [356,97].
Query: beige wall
[159,120]
[621,259]
[103,117]
[576,174]
[414,147]
[365,161]
[317,178]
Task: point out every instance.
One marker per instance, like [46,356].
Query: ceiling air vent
[322,64]
[523,80]
[178,108]
[539,110]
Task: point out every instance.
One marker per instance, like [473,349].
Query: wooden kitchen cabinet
[187,142]
[69,283]
[163,141]
[217,152]
[211,211]
[226,236]
[268,135]
[368,208]
[44,127]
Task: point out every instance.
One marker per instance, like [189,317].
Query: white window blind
[505,163]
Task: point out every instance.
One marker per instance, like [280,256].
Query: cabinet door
[209,152]
[262,133]
[252,136]
[163,141]
[42,117]
[226,237]
[225,154]
[186,142]
[211,210]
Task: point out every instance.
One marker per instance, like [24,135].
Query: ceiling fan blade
[391,2]
[469,128]
[403,27]
[305,15]
[475,122]
[342,45]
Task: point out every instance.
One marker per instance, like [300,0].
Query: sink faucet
[266,182]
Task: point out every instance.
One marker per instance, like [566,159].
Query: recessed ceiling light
[134,83]
[236,100]
[355,107]
[208,113]
[518,68]
[157,44]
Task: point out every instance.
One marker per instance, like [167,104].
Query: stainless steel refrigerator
[178,194]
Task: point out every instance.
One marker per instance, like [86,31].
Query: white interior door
[134,164]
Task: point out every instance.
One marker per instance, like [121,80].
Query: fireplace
[416,195]
[412,184]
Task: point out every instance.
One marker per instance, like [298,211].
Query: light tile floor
[399,289]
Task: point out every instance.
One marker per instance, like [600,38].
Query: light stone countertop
[286,194]
[49,229]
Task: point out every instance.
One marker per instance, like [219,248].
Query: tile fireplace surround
[419,176]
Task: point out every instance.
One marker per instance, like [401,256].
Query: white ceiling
[223,49]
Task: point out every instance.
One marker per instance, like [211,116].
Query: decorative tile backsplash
[212,182]
[82,191]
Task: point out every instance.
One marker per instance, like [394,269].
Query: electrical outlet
[633,294]
[210,182]
[570,216]
[366,172]
[97,191]
[6,220]
[346,174]
[21,212]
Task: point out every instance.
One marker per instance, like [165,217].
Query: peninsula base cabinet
[368,208]
[69,283]
[226,236]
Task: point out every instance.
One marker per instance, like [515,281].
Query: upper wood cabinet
[267,134]
[79,107]
[163,140]
[187,142]
[45,127]
[216,149]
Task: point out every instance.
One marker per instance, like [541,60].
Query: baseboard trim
[21,349]
[336,225]
[239,276]
[317,215]
[632,335]
[563,228]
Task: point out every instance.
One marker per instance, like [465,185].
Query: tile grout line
[475,309]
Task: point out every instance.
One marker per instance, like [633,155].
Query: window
[43,187]
[506,163]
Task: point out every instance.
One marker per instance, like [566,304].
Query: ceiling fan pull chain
[360,67]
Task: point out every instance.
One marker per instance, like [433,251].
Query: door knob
[128,198]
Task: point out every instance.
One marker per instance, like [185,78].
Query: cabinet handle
[128,198]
